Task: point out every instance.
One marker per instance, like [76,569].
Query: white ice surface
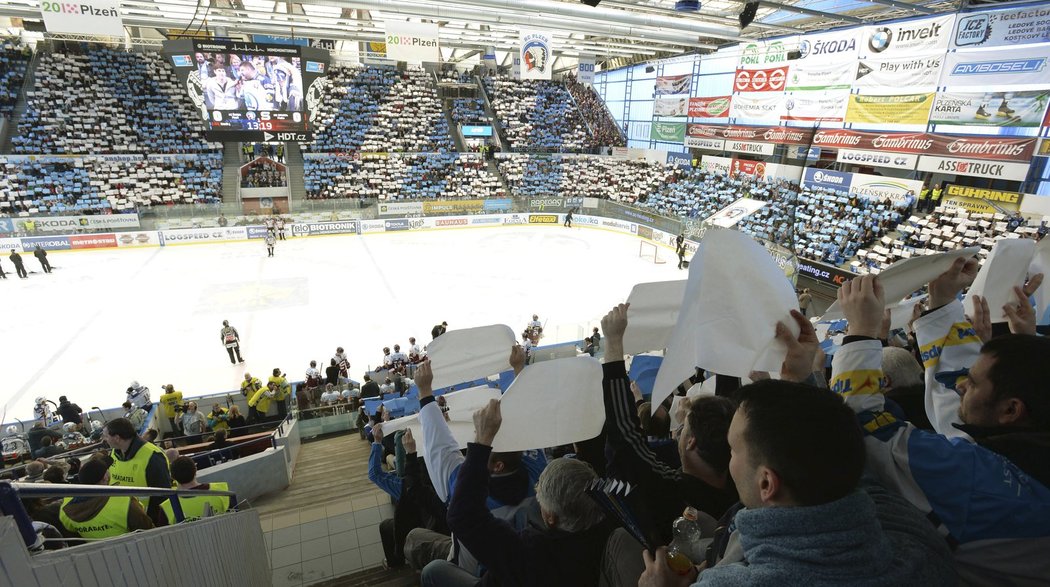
[107,317]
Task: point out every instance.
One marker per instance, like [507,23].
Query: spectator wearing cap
[102,516]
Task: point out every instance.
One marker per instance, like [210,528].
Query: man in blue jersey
[252,89]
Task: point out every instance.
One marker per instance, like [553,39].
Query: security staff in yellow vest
[250,385]
[184,470]
[136,463]
[284,389]
[259,403]
[935,199]
[102,516]
[171,401]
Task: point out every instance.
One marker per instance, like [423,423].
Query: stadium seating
[104,101]
[62,185]
[538,115]
[400,178]
[604,128]
[468,110]
[624,181]
[379,109]
[14,59]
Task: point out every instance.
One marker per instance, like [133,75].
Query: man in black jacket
[70,412]
[19,267]
[41,255]
[37,433]
[567,551]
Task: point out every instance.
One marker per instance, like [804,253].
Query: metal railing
[11,495]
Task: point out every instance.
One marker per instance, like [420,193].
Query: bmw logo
[804,48]
[790,104]
[880,39]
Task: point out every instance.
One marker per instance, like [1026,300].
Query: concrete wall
[227,550]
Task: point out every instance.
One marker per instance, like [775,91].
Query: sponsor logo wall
[1003,28]
[401,209]
[985,147]
[765,54]
[908,38]
[990,108]
[535,55]
[315,228]
[751,148]
[995,69]
[974,167]
[673,84]
[454,207]
[892,109]
[714,107]
[543,203]
[981,200]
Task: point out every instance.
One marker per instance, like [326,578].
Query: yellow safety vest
[249,387]
[219,424]
[111,520]
[193,507]
[169,401]
[283,388]
[132,473]
[260,401]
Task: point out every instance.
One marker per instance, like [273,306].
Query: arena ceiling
[620,31]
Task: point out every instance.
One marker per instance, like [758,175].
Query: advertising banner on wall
[138,239]
[672,132]
[990,108]
[761,106]
[816,106]
[827,75]
[715,164]
[203,235]
[316,228]
[414,42]
[748,167]
[981,200]
[673,84]
[892,109]
[536,55]
[780,135]
[877,159]
[827,179]
[838,46]
[713,107]
[400,208]
[702,141]
[735,212]
[983,146]
[765,54]
[910,37]
[75,223]
[996,69]
[784,171]
[883,189]
[48,243]
[585,70]
[454,206]
[1002,28]
[671,106]
[92,241]
[89,17]
[974,167]
[760,80]
[890,75]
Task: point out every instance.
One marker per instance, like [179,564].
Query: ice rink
[104,318]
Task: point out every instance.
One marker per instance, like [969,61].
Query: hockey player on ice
[138,396]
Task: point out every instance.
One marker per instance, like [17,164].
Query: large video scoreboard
[250,92]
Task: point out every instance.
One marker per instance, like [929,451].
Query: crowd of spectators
[14,61]
[93,100]
[400,177]
[537,115]
[380,109]
[97,185]
[468,111]
[596,177]
[604,129]
[264,174]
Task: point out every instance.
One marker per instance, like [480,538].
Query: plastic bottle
[685,550]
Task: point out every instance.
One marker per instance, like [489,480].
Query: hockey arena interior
[545,292]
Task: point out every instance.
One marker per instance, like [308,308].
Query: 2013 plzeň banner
[893,109]
[1008,27]
[413,42]
[1006,109]
[1000,148]
[87,17]
[673,84]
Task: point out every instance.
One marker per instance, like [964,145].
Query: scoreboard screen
[250,92]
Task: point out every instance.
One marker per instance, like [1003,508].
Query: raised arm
[442,451]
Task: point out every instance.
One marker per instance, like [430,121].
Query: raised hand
[408,442]
[613,325]
[798,363]
[982,318]
[1021,314]
[517,358]
[863,303]
[947,285]
[424,378]
[487,421]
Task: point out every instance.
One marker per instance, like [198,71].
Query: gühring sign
[414,42]
[90,17]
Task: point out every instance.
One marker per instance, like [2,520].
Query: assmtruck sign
[91,17]
[413,42]
[974,167]
[878,159]
[981,147]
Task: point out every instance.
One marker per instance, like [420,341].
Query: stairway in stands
[21,104]
[293,158]
[231,167]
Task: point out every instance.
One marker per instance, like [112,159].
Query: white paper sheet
[900,314]
[735,296]
[551,403]
[1041,264]
[652,315]
[461,407]
[471,353]
[908,275]
[1005,267]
